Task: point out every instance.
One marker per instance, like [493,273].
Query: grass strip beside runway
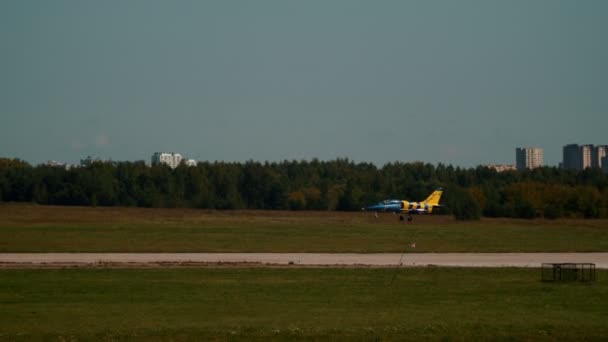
[135,230]
[287,304]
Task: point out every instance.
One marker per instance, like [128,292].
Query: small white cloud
[78,145]
[450,152]
[102,140]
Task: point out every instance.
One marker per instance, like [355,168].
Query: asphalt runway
[303,259]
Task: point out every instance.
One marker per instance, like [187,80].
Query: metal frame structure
[583,272]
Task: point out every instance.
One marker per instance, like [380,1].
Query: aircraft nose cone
[374,207]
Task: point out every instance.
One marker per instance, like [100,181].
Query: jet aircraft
[404,206]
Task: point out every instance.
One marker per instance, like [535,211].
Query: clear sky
[458,82]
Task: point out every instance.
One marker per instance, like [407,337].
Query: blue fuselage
[388,205]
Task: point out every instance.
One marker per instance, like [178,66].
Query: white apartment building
[580,157]
[501,167]
[586,156]
[597,159]
[171,159]
[528,157]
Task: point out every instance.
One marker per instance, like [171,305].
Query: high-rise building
[586,156]
[170,159]
[597,158]
[572,157]
[580,157]
[528,157]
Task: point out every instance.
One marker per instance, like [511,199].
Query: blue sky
[458,82]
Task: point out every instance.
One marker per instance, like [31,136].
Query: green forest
[339,184]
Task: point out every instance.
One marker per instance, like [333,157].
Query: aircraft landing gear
[410,218]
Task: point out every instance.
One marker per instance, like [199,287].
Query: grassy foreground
[30,228]
[288,304]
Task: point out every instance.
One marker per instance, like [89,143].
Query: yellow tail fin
[434,197]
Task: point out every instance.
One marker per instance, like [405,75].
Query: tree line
[339,184]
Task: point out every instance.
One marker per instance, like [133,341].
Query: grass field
[288,304]
[30,228]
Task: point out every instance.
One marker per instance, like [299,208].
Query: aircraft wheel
[409,218]
[400,217]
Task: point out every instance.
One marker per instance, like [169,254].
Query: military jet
[404,206]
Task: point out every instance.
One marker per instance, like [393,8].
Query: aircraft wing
[419,210]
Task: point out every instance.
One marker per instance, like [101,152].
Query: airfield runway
[300,259]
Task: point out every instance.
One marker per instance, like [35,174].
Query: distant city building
[53,163]
[572,157]
[528,157]
[501,167]
[170,159]
[580,157]
[586,153]
[88,161]
[67,166]
[597,158]
[190,162]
